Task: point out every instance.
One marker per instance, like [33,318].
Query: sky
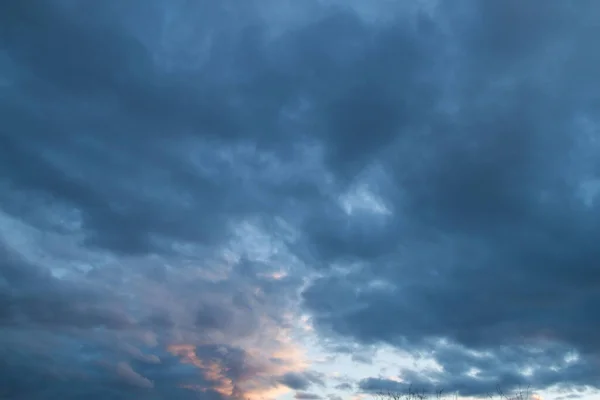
[299,200]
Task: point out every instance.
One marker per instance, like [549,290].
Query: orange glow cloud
[211,370]
[263,366]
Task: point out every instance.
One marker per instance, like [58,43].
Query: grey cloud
[569,396]
[92,319]
[362,358]
[27,375]
[101,151]
[30,295]
[306,396]
[295,381]
[132,377]
[135,179]
[106,146]
[213,317]
[488,242]
[192,151]
[344,386]
[497,370]
[302,381]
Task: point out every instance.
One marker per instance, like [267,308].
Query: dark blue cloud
[490,242]
[173,174]
[302,381]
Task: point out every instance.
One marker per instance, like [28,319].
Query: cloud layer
[182,183]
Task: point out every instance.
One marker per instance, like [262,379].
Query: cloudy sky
[285,199]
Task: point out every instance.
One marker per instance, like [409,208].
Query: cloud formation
[181,183]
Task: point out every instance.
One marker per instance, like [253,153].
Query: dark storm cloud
[170,170]
[31,296]
[490,237]
[27,375]
[132,174]
[91,121]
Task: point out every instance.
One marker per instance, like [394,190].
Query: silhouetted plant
[412,394]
